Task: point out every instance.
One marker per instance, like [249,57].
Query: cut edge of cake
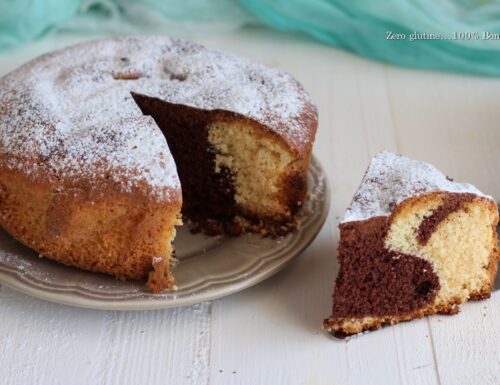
[237,175]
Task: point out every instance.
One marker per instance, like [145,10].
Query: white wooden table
[270,334]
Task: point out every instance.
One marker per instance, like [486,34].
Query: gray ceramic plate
[208,267]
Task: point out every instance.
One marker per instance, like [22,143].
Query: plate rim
[77,298]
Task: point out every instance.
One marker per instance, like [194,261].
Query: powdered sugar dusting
[392,178]
[72,110]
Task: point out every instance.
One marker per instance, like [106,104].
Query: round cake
[102,143]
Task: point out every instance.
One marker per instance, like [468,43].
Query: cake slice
[412,243]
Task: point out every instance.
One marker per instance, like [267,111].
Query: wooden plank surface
[270,334]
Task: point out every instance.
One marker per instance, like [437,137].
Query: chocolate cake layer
[374,281]
[453,202]
[205,194]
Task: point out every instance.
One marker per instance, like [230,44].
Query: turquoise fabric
[24,20]
[360,26]
[158,16]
